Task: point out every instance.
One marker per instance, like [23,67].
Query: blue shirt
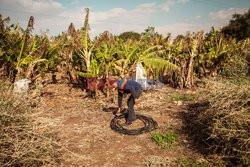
[129,85]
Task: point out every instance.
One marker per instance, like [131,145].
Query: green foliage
[237,63]
[159,65]
[150,32]
[215,46]
[22,54]
[182,61]
[165,139]
[185,97]
[82,74]
[130,35]
[238,26]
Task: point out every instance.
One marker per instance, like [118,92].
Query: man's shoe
[134,119]
[127,124]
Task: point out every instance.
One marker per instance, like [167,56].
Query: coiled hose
[149,125]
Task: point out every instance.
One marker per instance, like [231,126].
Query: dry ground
[84,129]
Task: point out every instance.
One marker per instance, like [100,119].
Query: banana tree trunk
[188,82]
[182,74]
[88,65]
[29,72]
[107,82]
[88,61]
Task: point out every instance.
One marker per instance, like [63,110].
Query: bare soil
[83,128]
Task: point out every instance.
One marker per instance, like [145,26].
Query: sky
[117,16]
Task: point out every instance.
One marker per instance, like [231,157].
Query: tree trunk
[181,79]
[88,65]
[88,61]
[107,82]
[188,82]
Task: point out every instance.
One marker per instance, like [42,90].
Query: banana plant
[131,54]
[106,56]
[26,64]
[216,49]
[153,62]
[127,57]
[192,46]
[25,36]
[10,40]
[86,47]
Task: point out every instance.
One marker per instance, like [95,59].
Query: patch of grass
[165,139]
[183,97]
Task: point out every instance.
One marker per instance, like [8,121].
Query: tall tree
[239,26]
[130,35]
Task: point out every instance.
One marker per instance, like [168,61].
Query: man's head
[119,84]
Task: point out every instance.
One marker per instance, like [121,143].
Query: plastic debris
[21,86]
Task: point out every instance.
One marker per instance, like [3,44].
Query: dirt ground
[84,129]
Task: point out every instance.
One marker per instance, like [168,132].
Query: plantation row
[219,120]
[180,61]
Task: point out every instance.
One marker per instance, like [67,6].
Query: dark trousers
[131,102]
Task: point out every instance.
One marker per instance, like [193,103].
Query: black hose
[149,125]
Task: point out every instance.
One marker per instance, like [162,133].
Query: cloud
[32,6]
[107,15]
[149,7]
[177,28]
[45,13]
[226,14]
[165,6]
[197,17]
[74,2]
[115,20]
[52,15]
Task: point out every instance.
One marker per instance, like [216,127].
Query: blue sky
[116,16]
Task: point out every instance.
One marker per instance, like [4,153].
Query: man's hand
[119,110]
[136,101]
[121,90]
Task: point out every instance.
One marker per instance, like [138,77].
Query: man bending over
[129,87]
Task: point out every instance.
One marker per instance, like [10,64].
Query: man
[129,86]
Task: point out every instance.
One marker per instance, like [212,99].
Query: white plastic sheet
[140,72]
[141,76]
[21,86]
